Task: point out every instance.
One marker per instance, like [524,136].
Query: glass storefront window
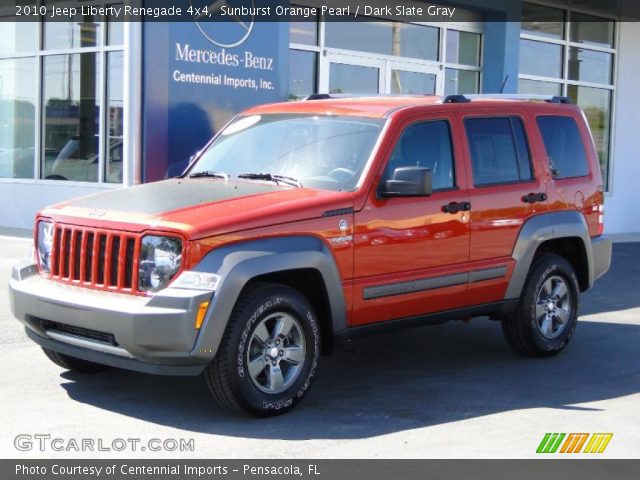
[302,73]
[591,30]
[17,117]
[596,103]
[71,110]
[590,66]
[386,38]
[460,82]
[353,79]
[540,58]
[412,83]
[534,87]
[115,117]
[115,33]
[84,32]
[303,32]
[463,48]
[18,37]
[542,21]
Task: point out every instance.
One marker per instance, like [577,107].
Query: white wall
[622,207]
[20,201]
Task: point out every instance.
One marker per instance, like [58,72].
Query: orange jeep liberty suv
[301,225]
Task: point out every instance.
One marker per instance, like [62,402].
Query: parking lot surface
[451,391]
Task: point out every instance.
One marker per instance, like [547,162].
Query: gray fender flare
[536,231]
[238,263]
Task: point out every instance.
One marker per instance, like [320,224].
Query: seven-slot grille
[95,258]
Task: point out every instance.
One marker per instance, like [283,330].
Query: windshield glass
[324,152]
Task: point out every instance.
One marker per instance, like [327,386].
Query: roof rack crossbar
[506,96]
[456,99]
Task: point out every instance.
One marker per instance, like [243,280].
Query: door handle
[455,207]
[535,198]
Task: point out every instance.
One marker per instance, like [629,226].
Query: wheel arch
[565,233]
[304,263]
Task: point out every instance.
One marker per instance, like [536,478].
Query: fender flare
[536,231]
[238,263]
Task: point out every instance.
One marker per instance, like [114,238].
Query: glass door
[340,73]
[412,79]
[352,74]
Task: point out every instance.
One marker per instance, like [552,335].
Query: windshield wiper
[210,174]
[269,177]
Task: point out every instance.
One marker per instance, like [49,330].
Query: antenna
[504,84]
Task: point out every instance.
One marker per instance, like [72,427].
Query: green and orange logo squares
[574,443]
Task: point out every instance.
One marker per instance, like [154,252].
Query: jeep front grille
[95,258]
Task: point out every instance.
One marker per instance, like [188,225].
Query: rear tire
[547,313]
[74,364]
[269,352]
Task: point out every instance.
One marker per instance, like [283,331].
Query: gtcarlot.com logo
[46,442]
[574,443]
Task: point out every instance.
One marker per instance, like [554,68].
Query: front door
[343,73]
[411,254]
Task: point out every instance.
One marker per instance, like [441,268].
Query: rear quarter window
[563,143]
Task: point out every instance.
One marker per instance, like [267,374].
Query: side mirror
[408,182]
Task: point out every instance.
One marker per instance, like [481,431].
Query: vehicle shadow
[403,381]
[412,378]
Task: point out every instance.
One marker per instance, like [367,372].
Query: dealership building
[91,104]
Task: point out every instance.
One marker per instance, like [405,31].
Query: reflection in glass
[596,104]
[71,109]
[459,82]
[115,117]
[115,33]
[540,58]
[463,48]
[590,66]
[534,87]
[542,21]
[18,37]
[403,82]
[384,37]
[302,73]
[591,30]
[83,32]
[353,79]
[17,117]
[303,32]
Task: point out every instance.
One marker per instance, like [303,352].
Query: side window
[565,150]
[499,150]
[426,144]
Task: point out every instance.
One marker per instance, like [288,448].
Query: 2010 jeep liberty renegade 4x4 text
[303,224]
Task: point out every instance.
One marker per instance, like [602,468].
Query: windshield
[324,152]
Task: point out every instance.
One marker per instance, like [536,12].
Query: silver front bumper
[158,330]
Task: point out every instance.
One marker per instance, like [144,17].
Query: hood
[198,207]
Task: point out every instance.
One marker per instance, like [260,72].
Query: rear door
[506,188]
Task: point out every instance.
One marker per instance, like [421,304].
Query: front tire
[269,353]
[547,313]
[74,364]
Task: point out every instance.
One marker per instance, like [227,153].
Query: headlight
[160,261]
[43,246]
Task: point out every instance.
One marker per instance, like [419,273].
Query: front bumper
[150,334]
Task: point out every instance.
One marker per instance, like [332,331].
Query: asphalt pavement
[450,391]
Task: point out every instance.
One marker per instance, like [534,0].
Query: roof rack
[506,96]
[327,96]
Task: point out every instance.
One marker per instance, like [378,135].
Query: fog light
[202,311]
